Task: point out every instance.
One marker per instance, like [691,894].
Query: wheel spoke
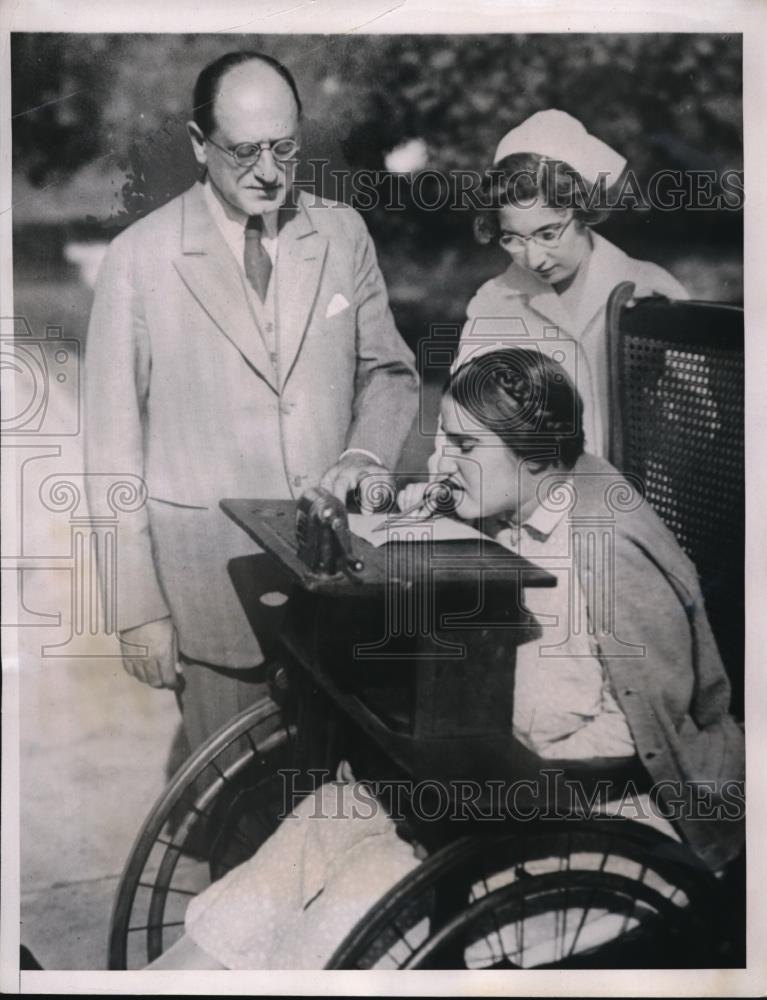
[498,929]
[541,896]
[154,891]
[630,915]
[177,848]
[156,927]
[575,902]
[587,909]
[180,892]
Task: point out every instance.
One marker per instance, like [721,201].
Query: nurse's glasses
[549,238]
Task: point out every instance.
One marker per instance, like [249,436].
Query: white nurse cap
[556,135]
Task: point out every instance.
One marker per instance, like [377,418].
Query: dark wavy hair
[208,82]
[522,177]
[528,400]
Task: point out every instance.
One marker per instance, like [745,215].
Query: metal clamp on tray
[323,536]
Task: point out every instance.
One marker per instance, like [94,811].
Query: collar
[542,521]
[606,267]
[229,219]
[539,524]
[199,208]
[538,521]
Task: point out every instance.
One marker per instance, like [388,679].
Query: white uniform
[519,309]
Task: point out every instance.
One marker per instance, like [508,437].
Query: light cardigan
[676,694]
[563,705]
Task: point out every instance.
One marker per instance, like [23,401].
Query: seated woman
[633,667]
[544,200]
[634,671]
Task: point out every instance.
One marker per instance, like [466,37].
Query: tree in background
[665,101]
[661,99]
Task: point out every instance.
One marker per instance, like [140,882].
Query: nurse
[545,194]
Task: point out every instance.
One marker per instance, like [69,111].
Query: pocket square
[336,305]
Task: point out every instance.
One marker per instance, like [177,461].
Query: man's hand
[357,469]
[158,666]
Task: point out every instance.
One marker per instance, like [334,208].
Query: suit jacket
[666,672]
[181,391]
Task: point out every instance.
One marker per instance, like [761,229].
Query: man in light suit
[238,346]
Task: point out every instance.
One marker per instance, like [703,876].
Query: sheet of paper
[439,529]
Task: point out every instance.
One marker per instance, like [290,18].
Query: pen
[442,498]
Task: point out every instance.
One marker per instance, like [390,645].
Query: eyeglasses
[548,238]
[246,154]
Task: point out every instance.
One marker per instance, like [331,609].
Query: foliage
[661,99]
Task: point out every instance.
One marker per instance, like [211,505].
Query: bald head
[254,92]
[241,100]
[210,81]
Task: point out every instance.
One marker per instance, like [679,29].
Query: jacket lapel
[302,252]
[607,267]
[540,296]
[212,276]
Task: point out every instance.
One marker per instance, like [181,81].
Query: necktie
[258,264]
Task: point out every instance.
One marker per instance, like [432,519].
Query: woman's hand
[411,496]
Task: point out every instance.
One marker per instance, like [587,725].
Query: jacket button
[650,754]
[285,408]
[297,480]
[629,691]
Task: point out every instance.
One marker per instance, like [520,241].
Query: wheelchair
[526,895]
[559,891]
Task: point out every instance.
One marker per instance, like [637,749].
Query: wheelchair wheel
[216,812]
[560,894]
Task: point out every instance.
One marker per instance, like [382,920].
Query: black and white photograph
[380,422]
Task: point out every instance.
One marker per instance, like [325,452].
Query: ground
[94,743]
